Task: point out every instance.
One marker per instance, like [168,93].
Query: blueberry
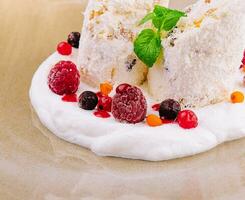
[88,100]
[74,39]
[169,109]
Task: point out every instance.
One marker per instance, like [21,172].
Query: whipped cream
[106,137]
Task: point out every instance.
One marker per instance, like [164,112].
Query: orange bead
[237,97]
[243,68]
[154,120]
[106,88]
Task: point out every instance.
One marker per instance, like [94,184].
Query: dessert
[200,61]
[138,108]
[106,50]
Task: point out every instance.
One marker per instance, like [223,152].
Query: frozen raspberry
[73,39]
[104,103]
[64,78]
[187,119]
[129,104]
[88,100]
[64,49]
[169,109]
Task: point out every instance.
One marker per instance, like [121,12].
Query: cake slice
[106,45]
[202,55]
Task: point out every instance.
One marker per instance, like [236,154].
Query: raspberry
[64,49]
[64,78]
[187,119]
[122,88]
[74,39]
[88,100]
[169,109]
[104,103]
[129,104]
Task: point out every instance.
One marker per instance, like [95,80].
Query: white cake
[203,55]
[106,45]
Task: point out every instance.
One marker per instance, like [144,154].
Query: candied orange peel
[106,88]
[154,120]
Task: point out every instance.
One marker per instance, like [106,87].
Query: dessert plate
[106,137]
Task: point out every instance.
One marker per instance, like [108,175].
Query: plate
[34,164]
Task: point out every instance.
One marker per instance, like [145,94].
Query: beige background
[35,165]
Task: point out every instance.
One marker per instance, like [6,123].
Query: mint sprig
[147,45]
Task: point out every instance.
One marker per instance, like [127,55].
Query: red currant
[187,119]
[243,60]
[104,103]
[64,49]
[156,107]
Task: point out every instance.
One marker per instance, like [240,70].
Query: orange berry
[154,120]
[106,88]
[237,97]
[243,68]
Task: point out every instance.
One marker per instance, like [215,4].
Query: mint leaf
[171,19]
[147,46]
[147,18]
[166,19]
[160,11]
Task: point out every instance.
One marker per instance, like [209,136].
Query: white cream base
[106,137]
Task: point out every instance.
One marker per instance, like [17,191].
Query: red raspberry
[129,104]
[64,78]
[64,49]
[187,119]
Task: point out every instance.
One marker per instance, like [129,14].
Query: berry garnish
[165,121]
[69,98]
[237,97]
[242,67]
[154,120]
[99,94]
[74,39]
[169,109]
[122,88]
[187,119]
[64,49]
[129,104]
[106,88]
[88,100]
[156,107]
[104,103]
[64,78]
[102,114]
